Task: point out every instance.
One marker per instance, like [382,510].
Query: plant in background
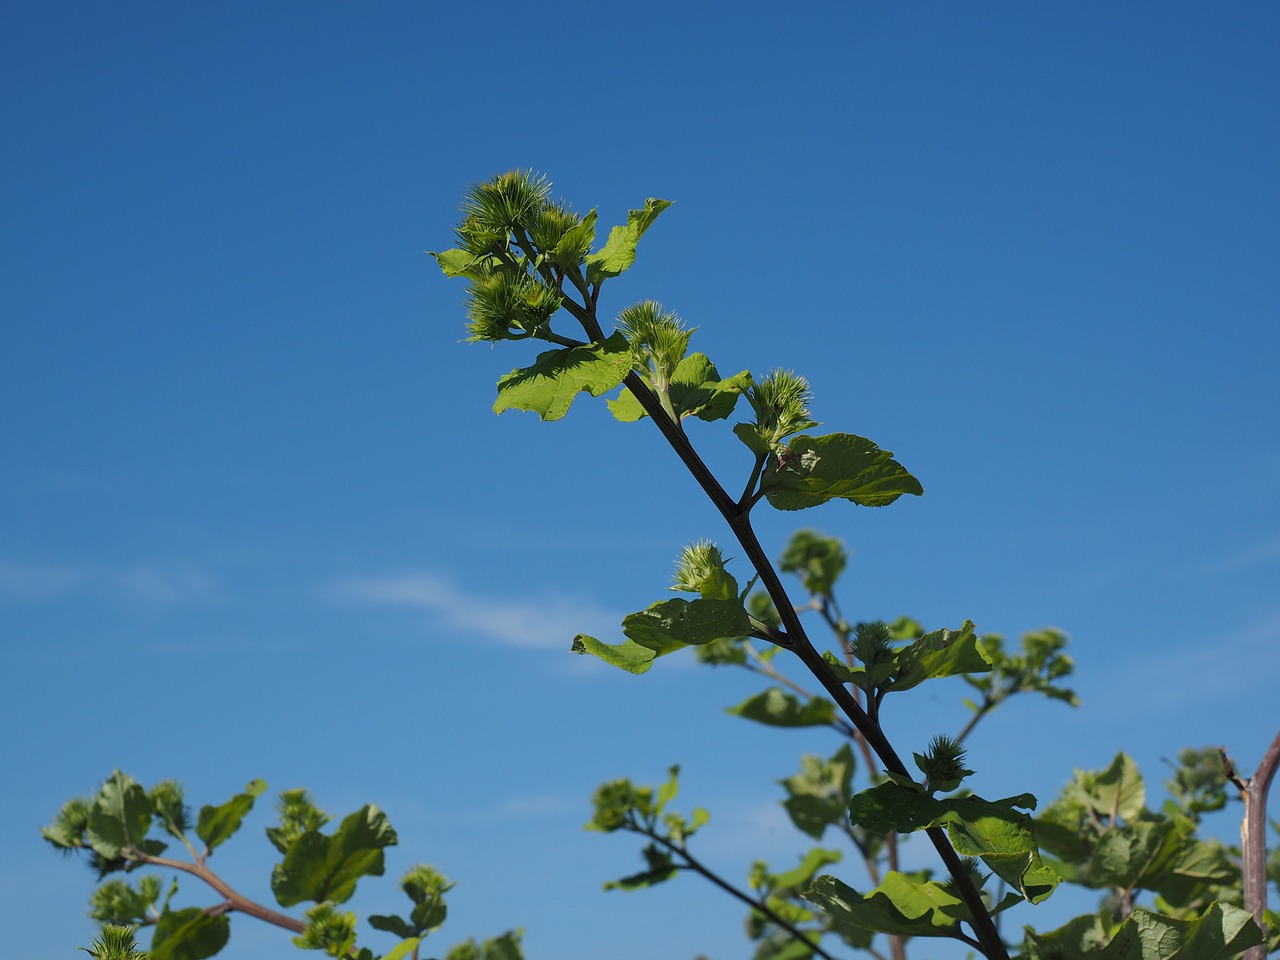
[120,829]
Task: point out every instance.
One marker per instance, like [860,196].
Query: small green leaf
[323,868]
[217,824]
[391,924]
[628,655]
[120,818]
[461,263]
[797,876]
[696,390]
[777,708]
[189,934]
[619,251]
[574,243]
[813,470]
[1118,790]
[942,653]
[549,386]
[402,949]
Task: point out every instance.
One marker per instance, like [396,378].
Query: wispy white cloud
[546,623]
[150,585]
[1259,554]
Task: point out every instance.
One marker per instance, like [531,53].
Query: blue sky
[257,519]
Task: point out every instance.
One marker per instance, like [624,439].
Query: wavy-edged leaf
[696,390]
[326,868]
[837,466]
[1004,837]
[942,653]
[216,824]
[777,708]
[899,905]
[628,655]
[619,251]
[189,934]
[549,386]
[120,818]
[1221,932]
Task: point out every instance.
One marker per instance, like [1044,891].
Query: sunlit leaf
[189,934]
[777,708]
[813,470]
[1222,931]
[619,251]
[549,386]
[216,824]
[318,867]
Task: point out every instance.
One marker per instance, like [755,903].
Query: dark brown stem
[798,642]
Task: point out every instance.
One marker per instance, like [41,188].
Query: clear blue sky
[257,519]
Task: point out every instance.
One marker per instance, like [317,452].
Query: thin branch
[758,905]
[235,900]
[1253,837]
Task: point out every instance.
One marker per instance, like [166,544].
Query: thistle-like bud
[781,404]
[699,562]
[943,764]
[508,202]
[659,341]
[871,643]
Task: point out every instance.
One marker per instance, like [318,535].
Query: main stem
[1253,840]
[798,641]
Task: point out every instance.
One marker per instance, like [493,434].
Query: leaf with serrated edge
[942,653]
[898,906]
[619,251]
[836,466]
[216,824]
[550,385]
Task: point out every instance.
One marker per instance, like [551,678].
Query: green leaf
[670,624]
[392,924]
[1118,790]
[696,390]
[813,470]
[189,934]
[575,242]
[216,824]
[323,868]
[660,869]
[120,818]
[1223,931]
[550,385]
[777,708]
[991,829]
[461,263]
[619,251]
[899,905]
[813,861]
[942,653]
[819,794]
[402,949]
[628,655]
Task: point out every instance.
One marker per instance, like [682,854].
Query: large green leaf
[696,390]
[942,653]
[994,830]
[777,708]
[189,934]
[1222,931]
[318,867]
[619,251]
[550,385]
[462,263]
[813,470]
[216,824]
[1136,854]
[899,905]
[120,818]
[665,627]
[687,623]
